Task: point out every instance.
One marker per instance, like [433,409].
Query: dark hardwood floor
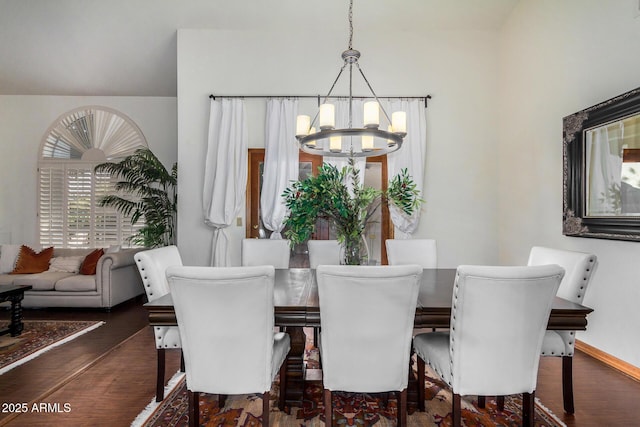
[108,376]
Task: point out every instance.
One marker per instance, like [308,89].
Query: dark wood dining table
[297,306]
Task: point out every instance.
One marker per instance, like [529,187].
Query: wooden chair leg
[328,408]
[567,384]
[527,409]
[194,408]
[457,410]
[421,396]
[402,408]
[316,344]
[283,385]
[265,409]
[182,361]
[500,401]
[160,375]
[384,399]
[481,402]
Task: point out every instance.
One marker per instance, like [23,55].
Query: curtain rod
[212,96]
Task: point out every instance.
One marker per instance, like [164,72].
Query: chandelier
[370,140]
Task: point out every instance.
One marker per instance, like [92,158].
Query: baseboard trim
[609,360]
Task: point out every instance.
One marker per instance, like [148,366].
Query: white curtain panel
[342,121]
[412,156]
[225,175]
[280,162]
[604,163]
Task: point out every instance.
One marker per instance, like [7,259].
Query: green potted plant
[326,195]
[153,196]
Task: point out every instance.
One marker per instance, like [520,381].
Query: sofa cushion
[71,252]
[69,264]
[78,282]
[91,262]
[41,281]
[30,261]
[113,249]
[8,257]
[6,279]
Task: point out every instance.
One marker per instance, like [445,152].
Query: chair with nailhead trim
[478,357]
[152,265]
[579,267]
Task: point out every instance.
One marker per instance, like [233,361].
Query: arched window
[69,191]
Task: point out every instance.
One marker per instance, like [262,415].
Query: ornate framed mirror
[601,179]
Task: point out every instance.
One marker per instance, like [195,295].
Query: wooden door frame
[387,224]
[256,155]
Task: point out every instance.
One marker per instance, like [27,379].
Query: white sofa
[116,280]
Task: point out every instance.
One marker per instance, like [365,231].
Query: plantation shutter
[51,202]
[69,191]
[78,207]
[106,219]
[70,214]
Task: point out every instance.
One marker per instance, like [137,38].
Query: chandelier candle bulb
[399,122]
[327,116]
[335,143]
[367,142]
[302,125]
[371,114]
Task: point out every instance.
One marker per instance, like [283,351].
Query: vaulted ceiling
[128,47]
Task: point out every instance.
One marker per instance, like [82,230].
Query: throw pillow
[113,248]
[91,262]
[8,257]
[67,264]
[30,261]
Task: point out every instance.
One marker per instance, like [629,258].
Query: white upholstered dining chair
[266,252]
[152,265]
[226,319]
[579,267]
[323,252]
[366,316]
[412,251]
[498,319]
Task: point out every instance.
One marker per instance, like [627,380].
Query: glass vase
[354,251]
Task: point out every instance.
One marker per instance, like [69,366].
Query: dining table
[296,306]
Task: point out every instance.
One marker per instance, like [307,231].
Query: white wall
[23,123]
[459,69]
[559,57]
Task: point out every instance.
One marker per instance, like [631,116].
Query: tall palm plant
[154,192]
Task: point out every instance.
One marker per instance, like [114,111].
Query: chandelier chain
[351,25]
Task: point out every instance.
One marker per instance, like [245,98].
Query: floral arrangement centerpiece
[327,195]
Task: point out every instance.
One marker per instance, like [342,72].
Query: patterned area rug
[38,337]
[350,409]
